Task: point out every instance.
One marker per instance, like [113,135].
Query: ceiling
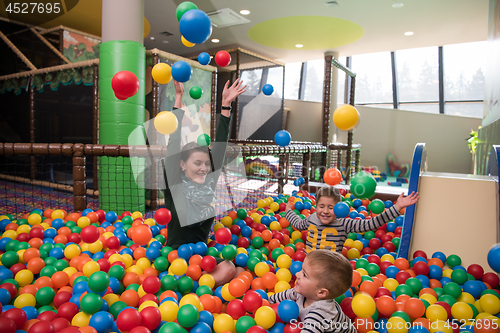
[380,27]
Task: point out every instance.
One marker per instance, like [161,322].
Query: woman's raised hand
[231,92]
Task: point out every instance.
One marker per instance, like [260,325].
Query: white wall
[383,131]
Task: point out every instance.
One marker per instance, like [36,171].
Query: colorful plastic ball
[490,304]
[90,234]
[222,58]
[203,140]
[195,26]
[9,259]
[8,325]
[91,303]
[223,236]
[181,71]
[168,310]
[165,122]
[265,317]
[363,185]
[223,323]
[161,73]
[494,258]
[363,305]
[204,58]
[99,282]
[125,84]
[288,310]
[128,319]
[201,327]
[267,89]
[163,216]
[341,210]
[345,117]
[229,252]
[377,206]
[282,138]
[195,92]
[24,277]
[102,321]
[150,317]
[332,176]
[141,235]
[252,300]
[453,260]
[17,315]
[184,7]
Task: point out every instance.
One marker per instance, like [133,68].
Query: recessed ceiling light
[397,5]
[244,12]
[215,40]
[299,45]
[165,41]
[152,38]
[409,33]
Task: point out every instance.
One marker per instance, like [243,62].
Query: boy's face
[307,283]
[324,210]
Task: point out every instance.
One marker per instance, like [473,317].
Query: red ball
[222,58]
[347,308]
[151,317]
[282,206]
[446,306]
[41,327]
[163,216]
[128,319]
[140,329]
[208,263]
[36,233]
[382,291]
[374,243]
[71,329]
[491,279]
[126,213]
[389,246]
[260,227]
[255,329]
[383,265]
[379,234]
[299,256]
[101,214]
[90,234]
[223,236]
[109,253]
[74,238]
[419,253]
[61,298]
[386,238]
[402,276]
[374,259]
[104,264]
[252,301]
[151,284]
[236,309]
[113,243]
[11,288]
[17,315]
[275,308]
[476,271]
[421,268]
[60,324]
[47,316]
[7,325]
[125,84]
[148,297]
[343,191]
[248,220]
[243,242]
[235,229]
[16,269]
[24,237]
[68,310]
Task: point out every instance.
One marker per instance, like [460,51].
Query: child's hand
[230,93]
[288,207]
[179,88]
[403,202]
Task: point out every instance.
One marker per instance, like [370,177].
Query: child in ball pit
[325,275]
[326,231]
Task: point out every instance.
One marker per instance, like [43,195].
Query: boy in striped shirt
[326,231]
[325,275]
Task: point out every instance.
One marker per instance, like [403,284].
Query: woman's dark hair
[192,147]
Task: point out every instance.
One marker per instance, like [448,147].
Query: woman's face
[197,166]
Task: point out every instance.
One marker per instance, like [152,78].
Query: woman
[190,193]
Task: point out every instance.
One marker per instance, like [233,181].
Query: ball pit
[112,273]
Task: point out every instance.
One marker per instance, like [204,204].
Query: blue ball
[262,293]
[4,296]
[277,328]
[201,327]
[152,253]
[494,258]
[418,329]
[391,226]
[388,204]
[200,248]
[3,224]
[307,205]
[288,310]
[267,89]
[399,220]
[181,71]
[299,205]
[473,288]
[31,312]
[206,317]
[353,215]
[341,210]
[296,267]
[246,231]
[241,260]
[391,272]
[266,220]
[86,211]
[111,217]
[357,203]
[57,253]
[195,26]
[435,272]
[185,251]
[203,58]
[50,233]
[439,255]
[282,138]
[301,181]
[57,224]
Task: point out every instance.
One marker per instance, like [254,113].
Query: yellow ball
[111,298]
[397,325]
[136,215]
[161,73]
[25,300]
[466,298]
[225,293]
[115,257]
[348,242]
[70,271]
[150,222]
[284,261]
[462,311]
[135,269]
[84,246]
[192,299]
[10,234]
[166,122]
[429,298]
[168,310]
[269,211]
[274,206]
[207,280]
[477,304]
[358,245]
[186,43]
[281,286]
[23,229]
[345,117]
[217,226]
[447,273]
[241,250]
[179,266]
[224,323]
[391,284]
[275,225]
[141,291]
[20,254]
[352,253]
[24,277]
[363,305]
[489,303]
[436,312]
[96,246]
[261,203]
[443,326]
[261,268]
[296,235]
[90,268]
[227,221]
[83,222]
[142,262]
[284,274]
[81,319]
[34,219]
[265,317]
[57,214]
[146,304]
[387,257]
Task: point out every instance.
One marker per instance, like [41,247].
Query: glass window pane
[252,79]
[381,106]
[420,107]
[315,72]
[417,74]
[373,78]
[341,82]
[275,78]
[465,109]
[464,68]
[292,80]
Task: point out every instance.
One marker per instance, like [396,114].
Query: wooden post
[32,127]
[79,185]
[95,121]
[326,109]
[213,112]
[153,198]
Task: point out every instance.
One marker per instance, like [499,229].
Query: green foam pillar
[118,190]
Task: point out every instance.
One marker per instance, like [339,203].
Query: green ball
[459,276]
[244,323]
[195,92]
[292,246]
[9,258]
[340,298]
[276,253]
[202,290]
[475,312]
[161,264]
[116,308]
[48,271]
[127,220]
[363,185]
[44,254]
[80,278]
[396,241]
[46,247]
[44,308]
[116,272]
[453,260]
[168,282]
[366,278]
[229,252]
[133,286]
[402,314]
[257,242]
[251,263]
[61,264]
[256,254]
[50,261]
[377,206]
[490,291]
[447,299]
[369,235]
[185,285]
[99,282]
[22,246]
[14,282]
[161,239]
[415,285]
[264,250]
[204,141]
[439,292]
[212,251]
[372,269]
[404,289]
[241,213]
[426,304]
[76,229]
[91,303]
[352,235]
[11,245]
[172,327]
[45,295]
[452,289]
[361,263]
[165,251]
[184,7]
[70,224]
[188,315]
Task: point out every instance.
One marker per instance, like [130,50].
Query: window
[373,78]
[275,78]
[292,80]
[252,78]
[418,79]
[341,83]
[464,68]
[314,78]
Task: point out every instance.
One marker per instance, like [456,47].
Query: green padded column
[118,190]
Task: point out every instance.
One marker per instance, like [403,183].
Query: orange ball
[208,302]
[414,307]
[356,279]
[232,214]
[87,329]
[30,254]
[237,287]
[139,253]
[363,325]
[195,260]
[150,271]
[269,280]
[64,231]
[369,287]
[274,243]
[35,265]
[168,293]
[386,305]
[266,235]
[218,305]
[172,256]
[60,279]
[142,234]
[194,272]
[402,264]
[74,276]
[29,289]
[130,278]
[257,284]
[61,239]
[35,242]
[435,261]
[130,297]
[93,217]
[43,281]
